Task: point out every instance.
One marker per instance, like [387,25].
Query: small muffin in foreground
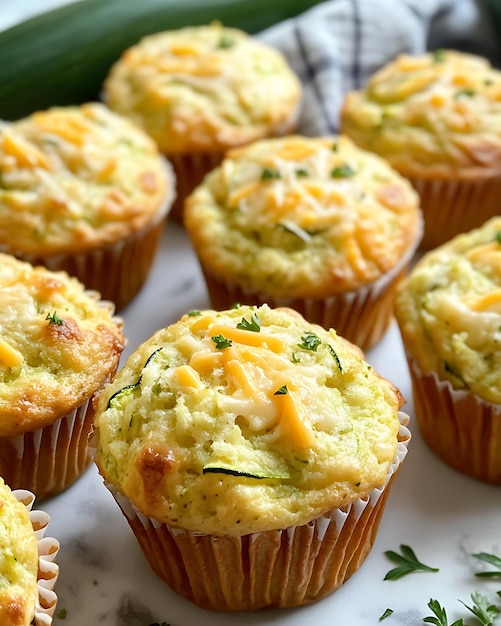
[27,568]
[85,191]
[315,224]
[449,313]
[252,454]
[58,345]
[436,119]
[200,90]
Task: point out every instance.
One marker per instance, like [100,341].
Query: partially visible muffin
[83,190]
[27,570]
[435,118]
[237,441]
[449,313]
[313,223]
[200,90]
[58,345]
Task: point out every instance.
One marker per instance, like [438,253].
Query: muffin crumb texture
[245,420]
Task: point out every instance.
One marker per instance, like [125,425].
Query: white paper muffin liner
[461,428]
[279,568]
[117,270]
[48,569]
[362,316]
[49,459]
[451,207]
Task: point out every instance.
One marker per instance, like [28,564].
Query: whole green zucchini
[62,57]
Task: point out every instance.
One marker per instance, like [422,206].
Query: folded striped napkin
[335,46]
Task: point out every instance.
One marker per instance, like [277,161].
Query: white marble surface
[443,516]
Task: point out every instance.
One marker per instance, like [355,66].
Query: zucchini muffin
[315,224]
[252,454]
[27,568]
[200,90]
[58,345]
[437,119]
[85,191]
[449,313]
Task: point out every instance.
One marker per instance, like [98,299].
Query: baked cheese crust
[449,311]
[436,115]
[58,345]
[204,88]
[76,178]
[245,420]
[302,217]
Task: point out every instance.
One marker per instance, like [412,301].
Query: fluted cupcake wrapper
[49,459]
[362,316]
[117,270]
[273,569]
[451,207]
[48,569]
[461,428]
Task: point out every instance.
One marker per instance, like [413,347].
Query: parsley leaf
[482,609]
[193,313]
[408,563]
[221,342]
[342,171]
[226,42]
[440,618]
[282,391]
[54,319]
[439,56]
[254,324]
[335,357]
[498,236]
[492,559]
[386,614]
[269,174]
[302,173]
[310,341]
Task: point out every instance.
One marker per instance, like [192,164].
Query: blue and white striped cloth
[335,46]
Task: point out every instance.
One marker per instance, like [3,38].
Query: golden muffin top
[438,114]
[449,311]
[58,345]
[204,88]
[76,178]
[18,561]
[245,420]
[303,217]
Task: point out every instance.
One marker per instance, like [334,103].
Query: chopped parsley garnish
[236,305]
[439,56]
[254,325]
[310,341]
[221,342]
[194,313]
[498,236]
[342,171]
[482,609]
[440,613]
[282,391]
[302,173]
[269,174]
[334,147]
[469,93]
[335,357]
[407,563]
[62,614]
[226,42]
[492,559]
[386,614]
[294,358]
[54,319]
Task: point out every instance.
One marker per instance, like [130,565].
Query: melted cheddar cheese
[435,114]
[76,178]
[204,88]
[449,311]
[58,345]
[222,428]
[302,217]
